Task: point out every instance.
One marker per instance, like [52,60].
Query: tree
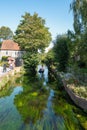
[5,33]
[79,8]
[61,52]
[32,35]
[30,62]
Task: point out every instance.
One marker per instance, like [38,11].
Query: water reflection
[9,116]
[36,114]
[45,74]
[36,109]
[29,108]
[50,120]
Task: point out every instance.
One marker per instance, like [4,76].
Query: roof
[10,45]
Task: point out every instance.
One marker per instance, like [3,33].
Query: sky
[56,13]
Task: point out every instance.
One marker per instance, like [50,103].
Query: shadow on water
[29,108]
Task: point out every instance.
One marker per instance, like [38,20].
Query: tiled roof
[10,45]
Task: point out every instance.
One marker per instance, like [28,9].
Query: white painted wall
[11,53]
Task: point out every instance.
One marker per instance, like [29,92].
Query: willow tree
[79,8]
[31,35]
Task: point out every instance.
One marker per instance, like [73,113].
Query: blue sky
[55,12]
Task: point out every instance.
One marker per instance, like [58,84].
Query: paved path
[3,73]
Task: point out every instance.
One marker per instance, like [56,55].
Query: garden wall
[81,102]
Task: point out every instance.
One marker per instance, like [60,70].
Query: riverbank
[6,76]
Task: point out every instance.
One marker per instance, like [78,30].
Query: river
[27,107]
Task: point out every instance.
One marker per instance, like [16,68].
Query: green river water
[27,106]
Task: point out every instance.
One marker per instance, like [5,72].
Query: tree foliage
[61,52]
[30,62]
[79,8]
[32,34]
[5,33]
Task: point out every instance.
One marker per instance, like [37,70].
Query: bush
[81,64]
[4,58]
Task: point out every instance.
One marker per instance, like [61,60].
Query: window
[6,52]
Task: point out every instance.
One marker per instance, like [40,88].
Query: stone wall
[81,102]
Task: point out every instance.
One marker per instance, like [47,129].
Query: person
[41,71]
[4,68]
[11,66]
